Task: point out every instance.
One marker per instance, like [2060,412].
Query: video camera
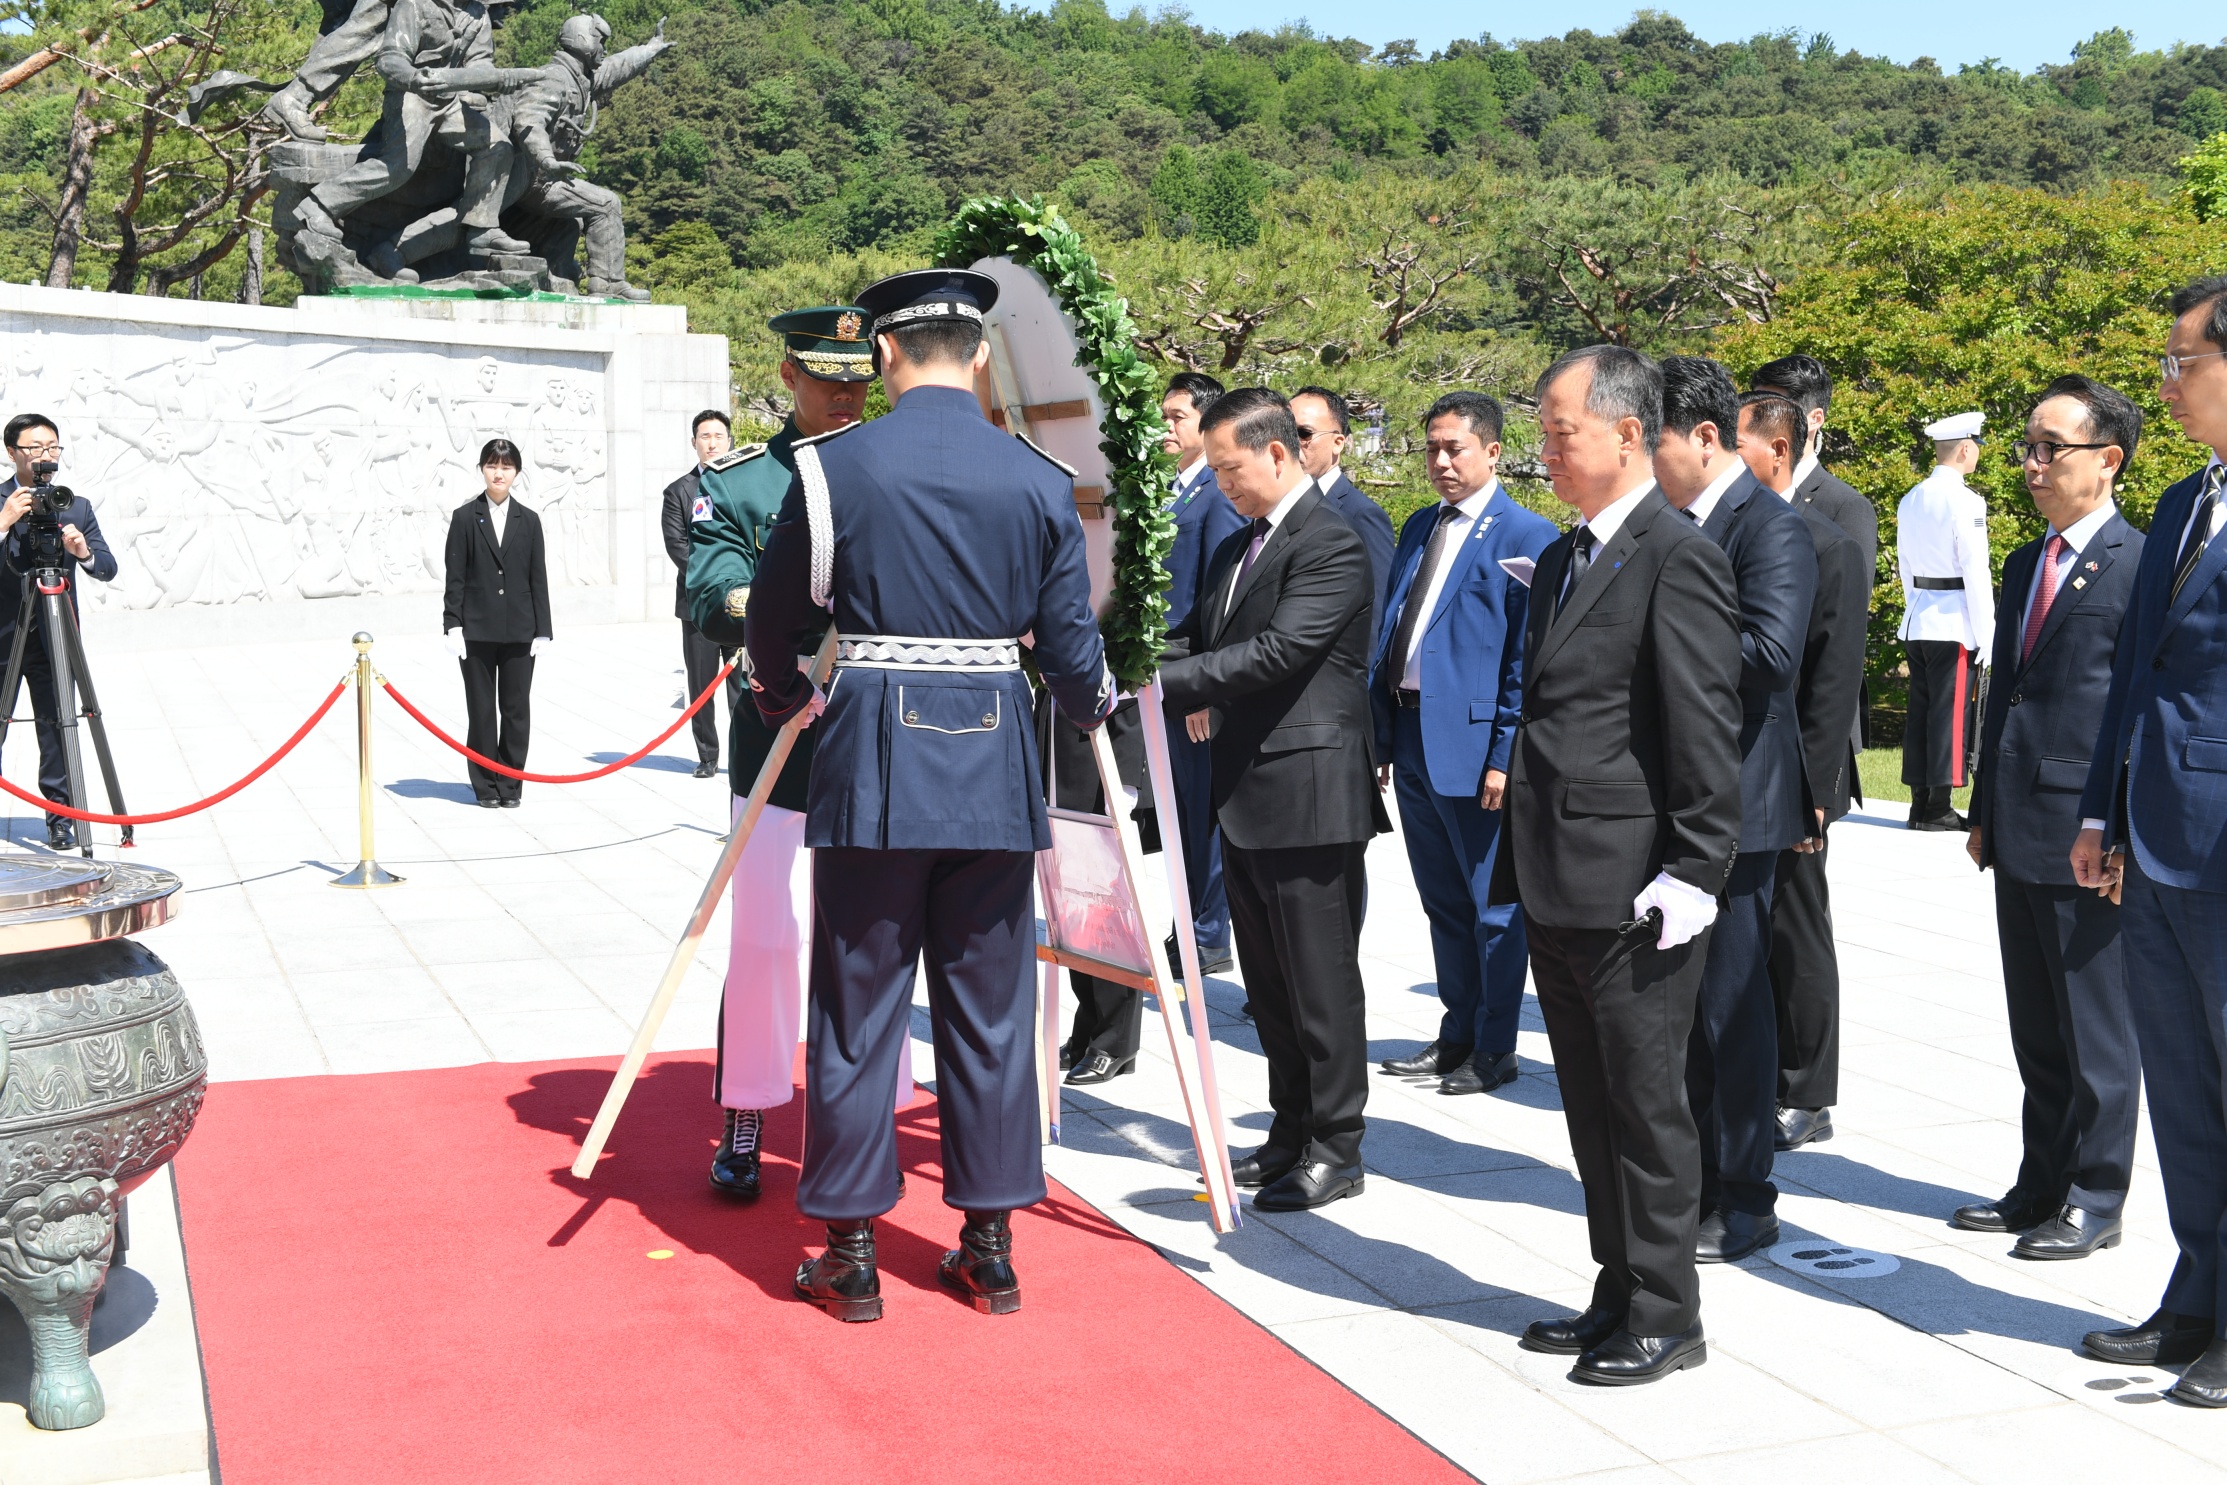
[42,527]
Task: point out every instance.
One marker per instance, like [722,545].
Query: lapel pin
[2080,582]
[2092,567]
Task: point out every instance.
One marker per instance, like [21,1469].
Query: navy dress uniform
[937,541]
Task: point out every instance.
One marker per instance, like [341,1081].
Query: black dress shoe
[1574,1336]
[1950,821]
[510,804]
[844,1281]
[2204,1384]
[1799,1127]
[1313,1183]
[491,804]
[2072,1233]
[2165,1339]
[1468,1078]
[1098,1067]
[60,837]
[1434,1061]
[1728,1237]
[1214,959]
[1626,1360]
[735,1175]
[2013,1213]
[1261,1168]
[981,1267]
[707,770]
[1066,1057]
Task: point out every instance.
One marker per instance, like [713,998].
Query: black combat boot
[734,1170]
[843,1280]
[981,1267]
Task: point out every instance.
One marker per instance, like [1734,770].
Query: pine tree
[1177,192]
[1226,208]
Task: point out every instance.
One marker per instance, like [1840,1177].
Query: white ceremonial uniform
[1941,532]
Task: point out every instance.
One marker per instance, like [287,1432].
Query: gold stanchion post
[367,871]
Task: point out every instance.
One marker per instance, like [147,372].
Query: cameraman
[33,439]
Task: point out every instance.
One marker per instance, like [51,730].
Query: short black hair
[1260,418]
[1776,415]
[23,423]
[2204,292]
[1202,389]
[1697,390]
[1483,414]
[501,451]
[710,415]
[1803,378]
[1340,414]
[2112,415]
[945,338]
[1626,384]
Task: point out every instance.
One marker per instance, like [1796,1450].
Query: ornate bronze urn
[101,1074]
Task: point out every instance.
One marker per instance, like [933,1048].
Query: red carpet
[398,1280]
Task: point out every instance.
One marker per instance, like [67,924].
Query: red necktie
[2042,597]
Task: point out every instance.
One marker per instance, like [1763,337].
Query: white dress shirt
[1802,472]
[1461,523]
[1942,533]
[2219,511]
[1275,519]
[1705,504]
[498,513]
[2077,536]
[1186,479]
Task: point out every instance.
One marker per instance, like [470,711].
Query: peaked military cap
[927,294]
[1953,429]
[829,341]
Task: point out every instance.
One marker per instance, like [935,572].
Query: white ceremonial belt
[911,652]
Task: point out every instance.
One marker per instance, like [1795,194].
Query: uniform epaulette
[831,433]
[733,457]
[1063,467]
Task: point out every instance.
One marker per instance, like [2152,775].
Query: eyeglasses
[39,450]
[2169,366]
[2042,451]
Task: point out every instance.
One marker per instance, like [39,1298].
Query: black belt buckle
[1411,700]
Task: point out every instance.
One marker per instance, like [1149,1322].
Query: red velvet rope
[561,778]
[198,805]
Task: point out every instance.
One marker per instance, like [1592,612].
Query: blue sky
[2023,33]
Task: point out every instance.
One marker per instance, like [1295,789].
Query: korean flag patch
[701,510]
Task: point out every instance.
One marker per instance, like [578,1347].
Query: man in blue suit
[1732,1070]
[1325,426]
[32,439]
[1204,518]
[1446,689]
[2155,825]
[936,541]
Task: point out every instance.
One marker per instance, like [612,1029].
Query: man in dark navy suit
[1204,519]
[936,541]
[1325,428]
[1732,1073]
[1446,688]
[2056,631]
[2154,822]
[33,439]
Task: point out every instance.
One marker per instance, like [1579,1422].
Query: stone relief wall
[229,468]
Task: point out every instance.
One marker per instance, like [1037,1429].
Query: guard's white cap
[1961,425]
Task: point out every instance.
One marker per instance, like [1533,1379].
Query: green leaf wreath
[1033,235]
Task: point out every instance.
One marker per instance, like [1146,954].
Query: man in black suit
[1804,380]
[33,439]
[2071,1024]
[495,612]
[1732,1070]
[711,435]
[1805,966]
[1272,666]
[1325,426]
[1623,817]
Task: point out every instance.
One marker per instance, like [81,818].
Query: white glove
[541,644]
[812,709]
[454,641]
[1686,910]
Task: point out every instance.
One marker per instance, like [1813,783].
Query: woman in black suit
[496,614]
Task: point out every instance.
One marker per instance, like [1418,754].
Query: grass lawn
[1881,769]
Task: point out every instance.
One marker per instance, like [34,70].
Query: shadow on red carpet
[398,1279]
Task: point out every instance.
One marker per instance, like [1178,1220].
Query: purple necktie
[1261,529]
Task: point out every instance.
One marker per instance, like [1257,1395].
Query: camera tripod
[65,651]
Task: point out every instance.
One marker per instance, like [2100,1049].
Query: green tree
[2204,179]
[1226,203]
[2202,113]
[1178,192]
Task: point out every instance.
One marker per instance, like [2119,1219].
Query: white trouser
[769,966]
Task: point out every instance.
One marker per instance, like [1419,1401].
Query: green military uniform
[739,496]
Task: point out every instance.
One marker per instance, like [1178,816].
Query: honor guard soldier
[1948,618]
[826,368]
[937,541]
